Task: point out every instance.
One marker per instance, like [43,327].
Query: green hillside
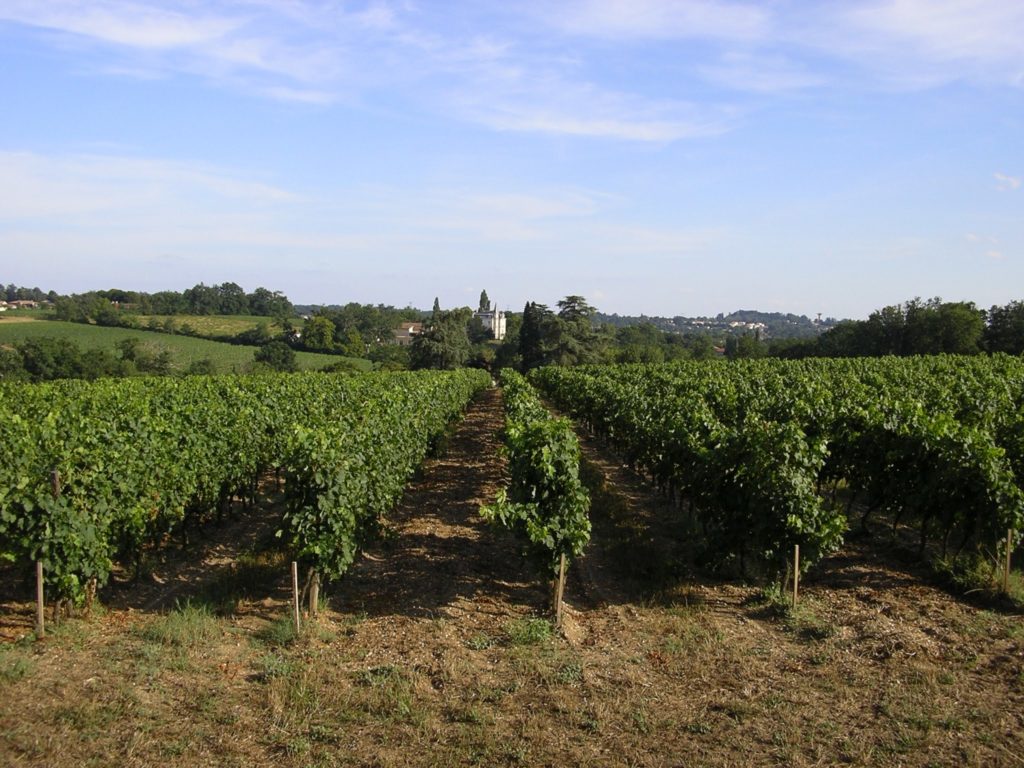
[184,350]
[217,325]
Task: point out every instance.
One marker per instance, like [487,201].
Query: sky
[664,157]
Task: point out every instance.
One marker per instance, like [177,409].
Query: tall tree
[277,355]
[485,302]
[443,344]
[231,299]
[318,334]
[270,304]
[1005,332]
[533,335]
[573,340]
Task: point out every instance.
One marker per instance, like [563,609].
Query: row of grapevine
[138,458]
[545,504]
[346,471]
[759,448]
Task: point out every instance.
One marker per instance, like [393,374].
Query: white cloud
[123,23]
[34,186]
[152,223]
[317,53]
[495,65]
[760,73]
[300,95]
[947,30]
[988,245]
[1006,183]
[275,49]
[659,19]
[905,43]
[529,118]
[521,100]
[915,44]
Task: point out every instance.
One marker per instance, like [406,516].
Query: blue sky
[668,157]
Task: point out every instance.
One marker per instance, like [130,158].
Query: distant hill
[769,325]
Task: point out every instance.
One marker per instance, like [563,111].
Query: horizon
[552,303]
[657,157]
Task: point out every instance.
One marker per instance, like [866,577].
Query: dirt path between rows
[439,558]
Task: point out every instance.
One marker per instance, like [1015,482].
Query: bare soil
[434,651]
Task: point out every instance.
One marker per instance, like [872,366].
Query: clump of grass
[528,631]
[802,619]
[390,695]
[377,676]
[14,665]
[496,694]
[980,577]
[774,599]
[570,673]
[685,604]
[272,665]
[187,626]
[479,642]
[280,632]
[248,575]
[294,696]
[640,721]
[469,715]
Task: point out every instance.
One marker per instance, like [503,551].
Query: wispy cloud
[1006,183]
[536,67]
[539,96]
[961,30]
[123,23]
[270,48]
[659,19]
[907,43]
[76,187]
[921,43]
[987,245]
[127,218]
[314,53]
[607,116]
[757,73]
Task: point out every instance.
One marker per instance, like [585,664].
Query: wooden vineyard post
[40,604]
[1006,563]
[314,593]
[559,592]
[796,573]
[295,595]
[57,604]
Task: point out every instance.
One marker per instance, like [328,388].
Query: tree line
[47,359]
[12,292]
[113,307]
[568,335]
[915,327]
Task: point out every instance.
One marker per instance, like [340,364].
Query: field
[184,350]
[435,650]
[218,325]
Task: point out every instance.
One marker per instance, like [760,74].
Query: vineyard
[757,453]
[101,470]
[546,504]
[436,507]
